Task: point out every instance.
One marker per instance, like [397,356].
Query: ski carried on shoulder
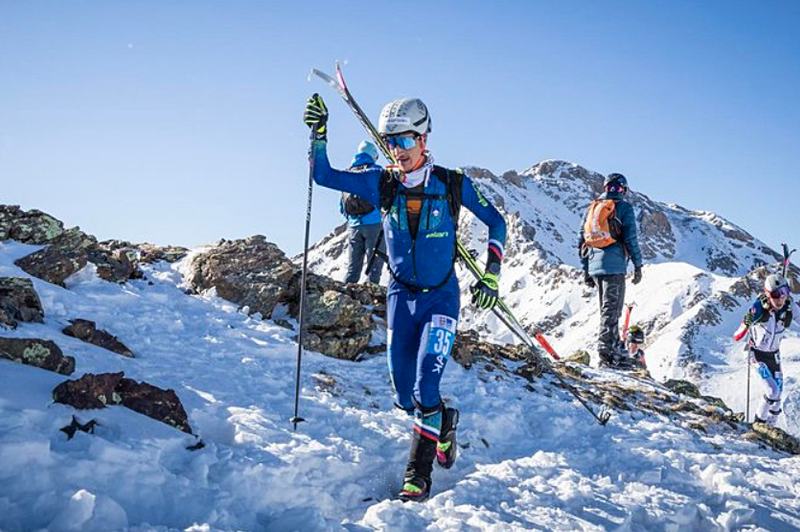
[340,86]
[500,310]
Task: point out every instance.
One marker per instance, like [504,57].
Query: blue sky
[180,122]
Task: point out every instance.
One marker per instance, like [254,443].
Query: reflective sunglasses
[780,292]
[404,143]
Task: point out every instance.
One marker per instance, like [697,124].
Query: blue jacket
[365,162]
[612,260]
[427,259]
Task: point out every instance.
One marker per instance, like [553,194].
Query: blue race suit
[423,294]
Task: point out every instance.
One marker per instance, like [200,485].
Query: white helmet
[776,283]
[404,115]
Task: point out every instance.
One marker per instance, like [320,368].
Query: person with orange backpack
[608,240]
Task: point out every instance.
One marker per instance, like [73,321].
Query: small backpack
[602,228]
[355,206]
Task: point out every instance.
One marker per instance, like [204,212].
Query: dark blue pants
[611,294]
[421,332]
[361,241]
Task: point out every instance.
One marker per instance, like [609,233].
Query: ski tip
[295,420]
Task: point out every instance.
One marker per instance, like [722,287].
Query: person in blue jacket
[606,267]
[423,293]
[363,222]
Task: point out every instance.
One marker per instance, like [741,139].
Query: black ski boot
[447,449]
[607,360]
[415,489]
[417,480]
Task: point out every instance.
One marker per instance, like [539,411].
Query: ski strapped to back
[500,310]
[787,255]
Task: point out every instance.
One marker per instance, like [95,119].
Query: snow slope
[529,460]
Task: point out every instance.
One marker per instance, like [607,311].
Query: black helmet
[617,182]
[635,335]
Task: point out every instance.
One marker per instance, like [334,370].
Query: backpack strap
[783,314]
[388,188]
[454,181]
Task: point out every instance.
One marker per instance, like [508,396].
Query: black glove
[316,117]
[637,275]
[588,280]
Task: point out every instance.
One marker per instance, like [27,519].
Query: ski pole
[747,407]
[296,418]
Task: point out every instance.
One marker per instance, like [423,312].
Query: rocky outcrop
[106,389]
[28,227]
[252,273]
[144,253]
[773,437]
[469,351]
[336,324]
[113,266]
[656,235]
[19,302]
[66,254]
[70,250]
[256,274]
[87,331]
[43,354]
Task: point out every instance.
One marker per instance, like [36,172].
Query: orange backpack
[601,228]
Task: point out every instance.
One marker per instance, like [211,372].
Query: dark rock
[338,325]
[145,253]
[579,357]
[197,446]
[87,331]
[67,254]
[683,387]
[99,391]
[90,391]
[113,266]
[469,350]
[153,402]
[775,438]
[28,227]
[655,232]
[43,354]
[19,302]
[250,272]
[513,177]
